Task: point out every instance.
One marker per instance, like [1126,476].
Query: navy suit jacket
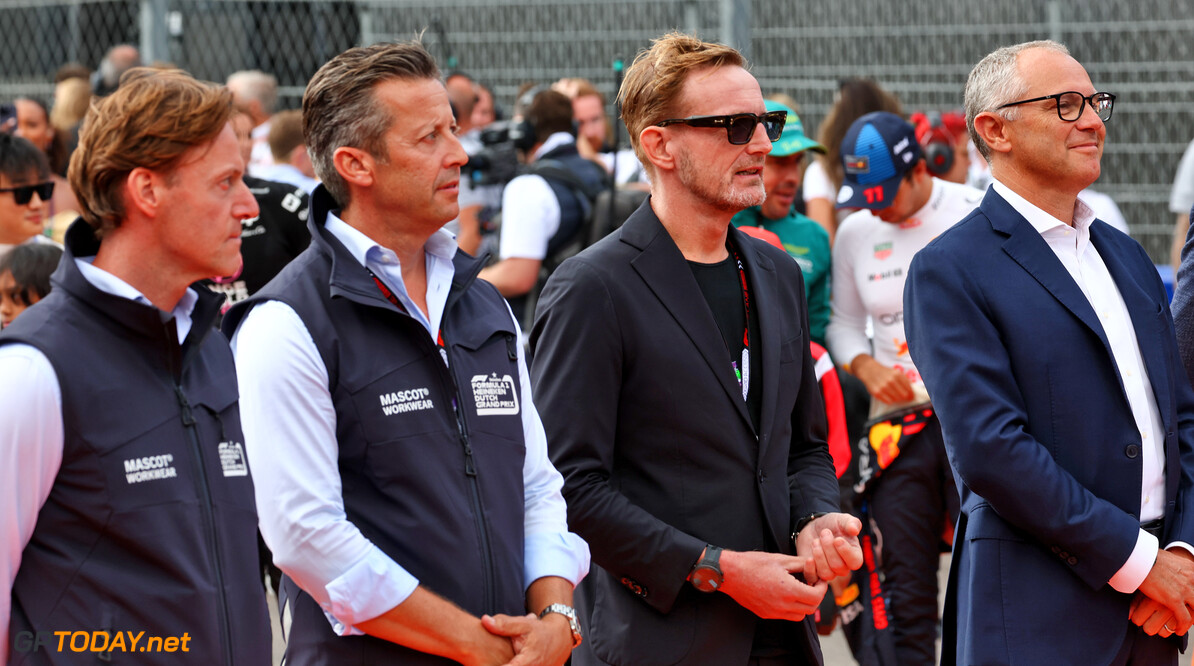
[1038,430]
[647,424]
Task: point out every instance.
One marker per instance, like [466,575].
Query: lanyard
[743,373]
[385,291]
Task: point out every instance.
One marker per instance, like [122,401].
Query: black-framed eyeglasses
[23,194]
[1070,104]
[740,127]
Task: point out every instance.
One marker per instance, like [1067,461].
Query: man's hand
[765,584]
[1169,586]
[1154,618]
[883,383]
[546,642]
[831,544]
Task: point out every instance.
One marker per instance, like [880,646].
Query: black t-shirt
[721,286]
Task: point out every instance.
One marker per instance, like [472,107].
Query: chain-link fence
[1142,50]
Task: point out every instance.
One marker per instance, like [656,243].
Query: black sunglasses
[23,194]
[740,127]
[1070,104]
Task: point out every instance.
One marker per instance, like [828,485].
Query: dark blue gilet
[437,489]
[150,525]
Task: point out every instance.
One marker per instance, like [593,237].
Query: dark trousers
[1140,649]
[909,507]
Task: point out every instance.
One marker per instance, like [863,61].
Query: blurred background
[921,50]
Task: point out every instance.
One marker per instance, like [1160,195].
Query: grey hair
[255,84]
[340,107]
[995,81]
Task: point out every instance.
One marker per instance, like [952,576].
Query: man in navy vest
[126,505]
[543,213]
[404,485]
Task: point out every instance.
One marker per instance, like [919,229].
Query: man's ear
[354,165]
[994,130]
[142,191]
[656,144]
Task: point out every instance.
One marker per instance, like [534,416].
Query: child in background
[25,278]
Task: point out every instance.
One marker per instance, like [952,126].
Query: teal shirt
[808,243]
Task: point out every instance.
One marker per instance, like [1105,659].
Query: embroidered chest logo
[232,459]
[495,395]
[149,468]
[883,250]
[400,402]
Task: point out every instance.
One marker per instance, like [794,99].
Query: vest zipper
[213,537]
[470,470]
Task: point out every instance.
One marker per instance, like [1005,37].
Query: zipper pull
[469,468]
[188,419]
[511,348]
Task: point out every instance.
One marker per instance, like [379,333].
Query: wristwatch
[706,576]
[570,613]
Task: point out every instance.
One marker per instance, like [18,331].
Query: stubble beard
[723,196]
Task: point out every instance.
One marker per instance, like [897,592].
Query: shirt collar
[441,244]
[110,284]
[1039,219]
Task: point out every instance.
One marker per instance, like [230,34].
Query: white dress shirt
[31,433]
[1084,264]
[289,423]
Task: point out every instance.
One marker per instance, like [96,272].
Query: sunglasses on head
[23,194]
[740,127]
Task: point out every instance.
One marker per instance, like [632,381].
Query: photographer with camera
[546,207]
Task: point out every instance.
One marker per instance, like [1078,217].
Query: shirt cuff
[369,588]
[562,554]
[1140,562]
[1181,544]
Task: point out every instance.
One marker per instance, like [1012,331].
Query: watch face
[706,579]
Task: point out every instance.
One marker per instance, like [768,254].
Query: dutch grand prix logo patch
[495,395]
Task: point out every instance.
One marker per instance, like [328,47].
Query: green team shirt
[808,243]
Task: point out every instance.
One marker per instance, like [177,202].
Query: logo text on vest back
[232,459]
[400,402]
[495,395]
[149,468]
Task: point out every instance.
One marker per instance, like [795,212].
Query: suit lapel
[1026,247]
[666,273]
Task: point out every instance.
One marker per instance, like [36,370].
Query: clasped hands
[766,583]
[1162,606]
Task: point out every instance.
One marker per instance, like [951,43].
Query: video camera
[497,161]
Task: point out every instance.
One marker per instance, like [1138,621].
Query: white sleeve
[817,184]
[530,217]
[289,424]
[846,333]
[31,442]
[1181,198]
[549,548]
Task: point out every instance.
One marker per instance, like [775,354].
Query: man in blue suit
[1045,341]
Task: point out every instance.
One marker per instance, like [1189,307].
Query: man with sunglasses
[25,191]
[672,363]
[1044,337]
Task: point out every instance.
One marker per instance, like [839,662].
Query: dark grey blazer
[647,424]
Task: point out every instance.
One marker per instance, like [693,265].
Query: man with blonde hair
[680,398]
[1044,337]
[126,505]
